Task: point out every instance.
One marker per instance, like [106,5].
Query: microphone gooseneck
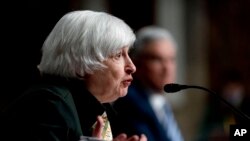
[172,88]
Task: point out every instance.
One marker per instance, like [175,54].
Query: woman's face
[112,82]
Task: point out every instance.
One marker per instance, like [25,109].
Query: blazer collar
[87,106]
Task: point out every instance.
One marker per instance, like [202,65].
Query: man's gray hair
[149,34]
[81,41]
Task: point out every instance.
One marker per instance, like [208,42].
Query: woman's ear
[81,77]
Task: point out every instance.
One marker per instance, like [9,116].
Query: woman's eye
[118,55]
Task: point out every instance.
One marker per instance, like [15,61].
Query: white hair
[149,34]
[81,41]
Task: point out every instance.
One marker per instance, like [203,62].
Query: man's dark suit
[137,115]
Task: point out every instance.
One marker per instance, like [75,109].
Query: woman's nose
[130,67]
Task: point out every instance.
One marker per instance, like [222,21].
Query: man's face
[157,66]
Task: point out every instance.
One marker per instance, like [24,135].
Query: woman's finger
[98,129]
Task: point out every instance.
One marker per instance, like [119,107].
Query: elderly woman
[84,64]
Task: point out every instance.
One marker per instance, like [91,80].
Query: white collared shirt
[165,116]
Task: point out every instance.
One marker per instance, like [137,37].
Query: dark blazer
[55,110]
[137,115]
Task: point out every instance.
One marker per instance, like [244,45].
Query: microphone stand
[235,110]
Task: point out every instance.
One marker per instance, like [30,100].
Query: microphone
[172,88]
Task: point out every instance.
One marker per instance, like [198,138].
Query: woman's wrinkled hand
[123,137]
[97,132]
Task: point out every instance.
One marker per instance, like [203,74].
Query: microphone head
[172,88]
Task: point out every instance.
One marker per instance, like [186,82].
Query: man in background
[145,109]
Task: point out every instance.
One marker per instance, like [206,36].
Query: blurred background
[213,42]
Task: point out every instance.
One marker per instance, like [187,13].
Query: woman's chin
[124,92]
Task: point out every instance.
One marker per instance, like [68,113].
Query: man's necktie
[170,125]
